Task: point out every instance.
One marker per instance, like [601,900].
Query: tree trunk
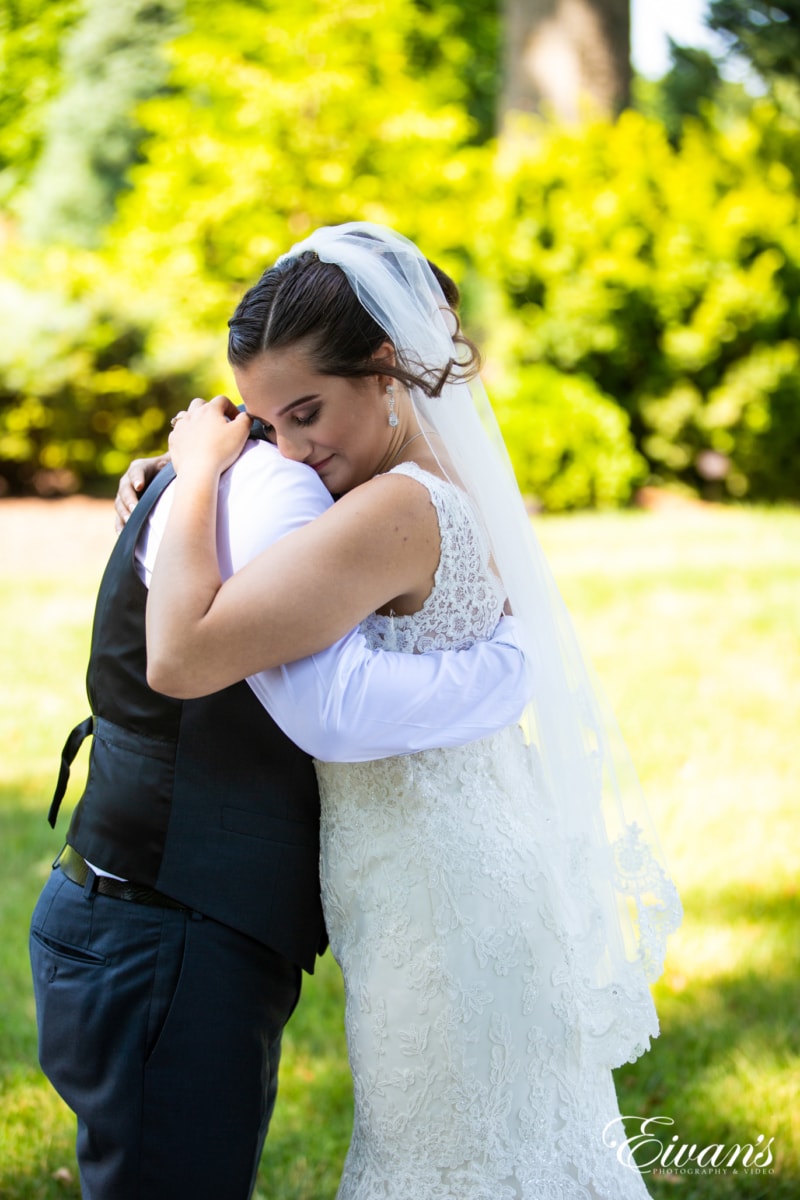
[566,57]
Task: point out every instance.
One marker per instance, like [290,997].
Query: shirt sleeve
[350,703]
[262,497]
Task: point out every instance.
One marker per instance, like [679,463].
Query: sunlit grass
[36,1140]
[691,620]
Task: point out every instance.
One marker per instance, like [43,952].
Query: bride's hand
[208,437]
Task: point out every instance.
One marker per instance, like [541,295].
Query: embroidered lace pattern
[465,601]
[467,1021]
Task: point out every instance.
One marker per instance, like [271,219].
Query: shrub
[570,445]
[80,392]
[669,278]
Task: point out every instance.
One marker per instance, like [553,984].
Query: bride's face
[337,426]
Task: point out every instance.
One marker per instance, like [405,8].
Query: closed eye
[308,419]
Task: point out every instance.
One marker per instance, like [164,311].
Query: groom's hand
[130,487]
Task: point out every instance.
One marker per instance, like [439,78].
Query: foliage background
[635,284]
[636,287]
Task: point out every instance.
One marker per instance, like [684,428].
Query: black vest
[205,800]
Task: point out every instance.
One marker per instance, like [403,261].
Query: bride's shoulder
[396,505]
[394,487]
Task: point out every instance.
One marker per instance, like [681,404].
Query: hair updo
[303,299]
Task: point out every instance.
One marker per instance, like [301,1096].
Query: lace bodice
[466,600]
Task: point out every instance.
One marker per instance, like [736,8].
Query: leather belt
[78,870]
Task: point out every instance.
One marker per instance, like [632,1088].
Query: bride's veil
[606,870]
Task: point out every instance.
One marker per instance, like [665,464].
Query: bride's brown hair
[302,299]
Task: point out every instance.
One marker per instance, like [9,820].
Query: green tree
[691,82]
[692,88]
[111,61]
[31,36]
[282,117]
[476,27]
[764,32]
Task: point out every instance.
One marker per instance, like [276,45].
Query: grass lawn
[691,618]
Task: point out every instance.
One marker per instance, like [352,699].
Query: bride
[498,909]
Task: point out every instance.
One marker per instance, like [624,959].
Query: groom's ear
[259,432]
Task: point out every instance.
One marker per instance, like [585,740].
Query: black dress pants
[161,1029]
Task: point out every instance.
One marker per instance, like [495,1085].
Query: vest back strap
[71,748]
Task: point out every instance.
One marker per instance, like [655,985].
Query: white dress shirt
[350,703]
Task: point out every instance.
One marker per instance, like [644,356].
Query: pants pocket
[67,983]
[102,970]
[62,954]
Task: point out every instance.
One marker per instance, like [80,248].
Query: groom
[168,943]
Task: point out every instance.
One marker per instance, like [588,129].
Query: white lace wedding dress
[470,1081]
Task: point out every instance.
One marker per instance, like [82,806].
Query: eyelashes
[309,419]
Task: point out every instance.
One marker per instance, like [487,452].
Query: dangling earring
[393,418]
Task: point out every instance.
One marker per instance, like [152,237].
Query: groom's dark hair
[302,299]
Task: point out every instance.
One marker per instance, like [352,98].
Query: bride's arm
[376,544]
[349,703]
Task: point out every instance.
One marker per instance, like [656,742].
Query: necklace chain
[393,460]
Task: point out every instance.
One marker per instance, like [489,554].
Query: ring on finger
[176,418]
